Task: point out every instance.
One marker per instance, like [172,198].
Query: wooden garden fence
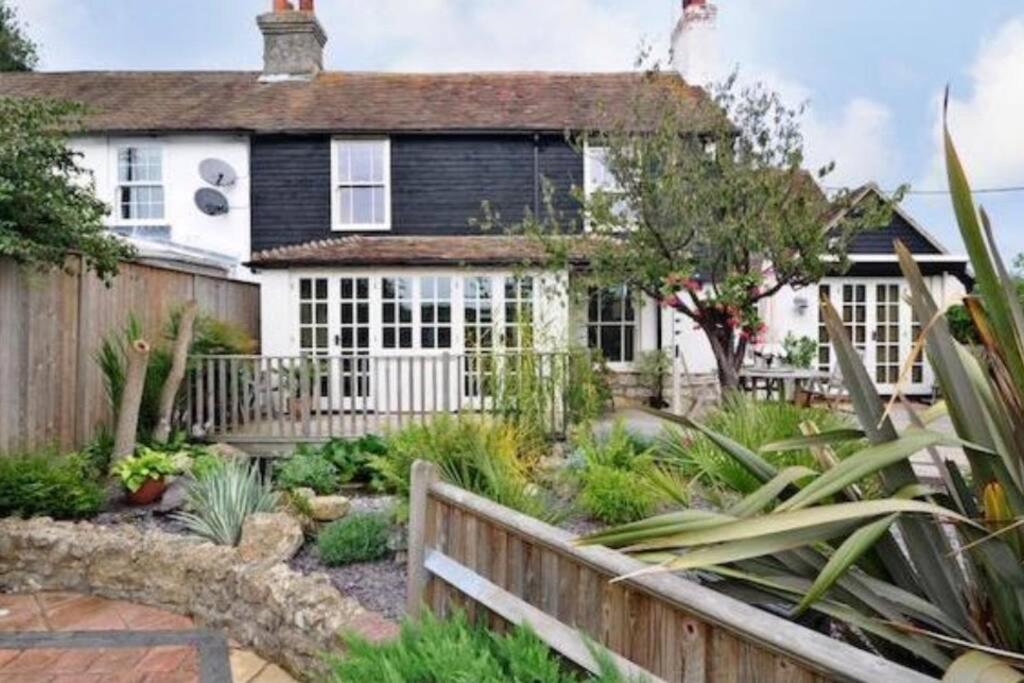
[51,324]
[501,566]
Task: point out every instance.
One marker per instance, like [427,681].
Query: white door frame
[874,340]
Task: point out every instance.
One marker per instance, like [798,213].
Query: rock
[329,508]
[270,537]
[303,492]
[174,497]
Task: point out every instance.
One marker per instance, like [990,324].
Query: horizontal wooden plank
[825,655]
[563,639]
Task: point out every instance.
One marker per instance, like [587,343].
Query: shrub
[588,390]
[220,501]
[486,456]
[48,484]
[432,650]
[359,537]
[753,424]
[146,464]
[308,469]
[799,352]
[616,496]
[652,366]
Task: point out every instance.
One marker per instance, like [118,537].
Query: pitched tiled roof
[398,250]
[348,101]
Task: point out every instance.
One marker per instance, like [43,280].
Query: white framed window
[518,313]
[598,177]
[612,324]
[396,312]
[361,184]
[140,188]
[435,313]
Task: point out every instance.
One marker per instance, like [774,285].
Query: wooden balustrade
[315,398]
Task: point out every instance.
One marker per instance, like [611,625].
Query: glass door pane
[354,339]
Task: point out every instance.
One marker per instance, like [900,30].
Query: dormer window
[361,174]
[140,189]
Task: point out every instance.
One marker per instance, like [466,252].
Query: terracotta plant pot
[149,492]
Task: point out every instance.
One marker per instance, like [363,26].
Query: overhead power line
[981,190]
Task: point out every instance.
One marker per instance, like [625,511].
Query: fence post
[423,475]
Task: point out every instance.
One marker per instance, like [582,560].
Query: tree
[48,207]
[710,209]
[17,51]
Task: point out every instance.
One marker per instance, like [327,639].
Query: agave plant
[937,574]
[220,501]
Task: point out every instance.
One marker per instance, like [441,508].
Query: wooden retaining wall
[51,390]
[505,567]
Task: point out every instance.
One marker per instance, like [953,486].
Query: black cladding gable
[881,241]
[438,183]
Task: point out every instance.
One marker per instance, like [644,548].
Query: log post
[131,399]
[424,474]
[179,362]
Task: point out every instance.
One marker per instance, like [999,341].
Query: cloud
[445,35]
[987,123]
[860,140]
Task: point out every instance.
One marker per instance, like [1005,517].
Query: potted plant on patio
[144,475]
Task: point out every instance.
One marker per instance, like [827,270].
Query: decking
[280,400]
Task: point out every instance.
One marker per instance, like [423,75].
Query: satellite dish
[217,172]
[212,202]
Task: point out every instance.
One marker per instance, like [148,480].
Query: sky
[871,72]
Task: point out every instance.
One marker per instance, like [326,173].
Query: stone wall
[286,617]
[628,389]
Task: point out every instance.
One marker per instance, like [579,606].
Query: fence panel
[468,551]
[52,324]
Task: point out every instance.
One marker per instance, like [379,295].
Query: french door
[351,343]
[882,327]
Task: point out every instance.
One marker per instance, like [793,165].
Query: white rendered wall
[228,234]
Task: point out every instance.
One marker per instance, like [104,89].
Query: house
[351,197]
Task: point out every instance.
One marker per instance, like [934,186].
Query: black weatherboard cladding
[881,241]
[438,183]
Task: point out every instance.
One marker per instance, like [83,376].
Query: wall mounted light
[802,304]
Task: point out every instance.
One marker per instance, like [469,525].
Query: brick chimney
[293,41]
[694,44]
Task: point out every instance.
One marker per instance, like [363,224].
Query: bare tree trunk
[179,360]
[131,398]
[727,360]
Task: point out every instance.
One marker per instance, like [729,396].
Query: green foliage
[220,501]
[324,468]
[358,537]
[799,352]
[307,469]
[612,474]
[48,206]
[445,651]
[17,51]
[616,496]
[753,424]
[652,366]
[47,484]
[938,582]
[588,390]
[97,453]
[486,456]
[146,464]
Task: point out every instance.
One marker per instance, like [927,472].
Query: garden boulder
[270,537]
[329,508]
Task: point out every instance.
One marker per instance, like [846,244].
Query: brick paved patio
[70,638]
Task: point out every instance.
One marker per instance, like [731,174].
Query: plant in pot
[652,366]
[144,475]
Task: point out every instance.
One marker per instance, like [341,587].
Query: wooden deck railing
[504,567]
[307,398]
